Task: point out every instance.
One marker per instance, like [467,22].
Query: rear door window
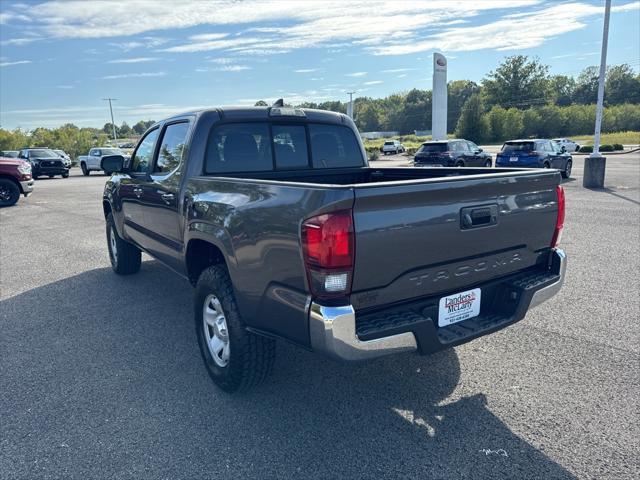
[239,147]
[334,146]
[290,146]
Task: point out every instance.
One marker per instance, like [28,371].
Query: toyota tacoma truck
[286,232]
[92,162]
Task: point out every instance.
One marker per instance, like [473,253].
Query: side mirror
[563,149]
[480,150]
[112,164]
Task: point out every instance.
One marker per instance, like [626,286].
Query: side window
[290,146]
[171,148]
[472,146]
[334,146]
[239,147]
[143,155]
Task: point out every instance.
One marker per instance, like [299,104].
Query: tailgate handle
[474,217]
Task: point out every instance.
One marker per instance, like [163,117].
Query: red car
[15,180]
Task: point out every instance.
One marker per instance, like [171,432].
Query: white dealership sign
[439,99]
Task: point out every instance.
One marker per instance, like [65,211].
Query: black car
[535,153]
[44,161]
[452,153]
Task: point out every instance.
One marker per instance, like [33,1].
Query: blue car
[536,153]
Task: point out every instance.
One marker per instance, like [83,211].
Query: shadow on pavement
[614,193]
[101,375]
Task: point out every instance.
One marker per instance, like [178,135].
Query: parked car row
[527,153]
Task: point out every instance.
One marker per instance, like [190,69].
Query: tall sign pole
[603,71]
[350,106]
[439,98]
[595,164]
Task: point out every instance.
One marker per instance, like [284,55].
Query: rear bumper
[342,334]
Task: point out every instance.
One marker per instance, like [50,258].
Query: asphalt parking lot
[100,376]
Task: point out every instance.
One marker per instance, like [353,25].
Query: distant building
[422,133]
[374,135]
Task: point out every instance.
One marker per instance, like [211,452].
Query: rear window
[433,147]
[249,147]
[334,146]
[239,147]
[389,143]
[517,147]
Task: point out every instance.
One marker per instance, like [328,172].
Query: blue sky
[58,59]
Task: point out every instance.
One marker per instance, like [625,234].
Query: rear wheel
[85,170]
[51,176]
[487,163]
[9,192]
[459,163]
[65,175]
[125,257]
[546,165]
[567,169]
[236,359]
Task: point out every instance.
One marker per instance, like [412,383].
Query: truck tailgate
[420,238]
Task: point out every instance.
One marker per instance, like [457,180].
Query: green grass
[625,138]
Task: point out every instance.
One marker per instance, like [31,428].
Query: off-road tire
[251,356]
[128,257]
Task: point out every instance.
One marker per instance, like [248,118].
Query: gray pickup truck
[285,230]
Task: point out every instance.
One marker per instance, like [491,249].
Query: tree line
[517,99]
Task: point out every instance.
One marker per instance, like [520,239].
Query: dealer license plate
[459,307]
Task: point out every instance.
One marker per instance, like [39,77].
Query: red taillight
[557,234]
[328,248]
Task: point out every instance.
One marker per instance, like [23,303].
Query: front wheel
[567,170]
[546,165]
[9,192]
[125,257]
[65,175]
[236,359]
[459,163]
[487,163]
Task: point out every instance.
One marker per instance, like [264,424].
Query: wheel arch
[201,254]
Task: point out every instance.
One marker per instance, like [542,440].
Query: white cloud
[134,60]
[135,75]
[64,87]
[144,42]
[233,68]
[511,32]
[17,62]
[397,70]
[20,41]
[306,70]
[222,60]
[356,74]
[374,82]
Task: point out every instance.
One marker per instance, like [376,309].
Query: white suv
[392,146]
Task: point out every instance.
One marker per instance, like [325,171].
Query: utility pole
[594,165]
[113,125]
[350,106]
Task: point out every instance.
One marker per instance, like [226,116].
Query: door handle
[137,192]
[168,197]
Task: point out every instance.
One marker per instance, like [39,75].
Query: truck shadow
[108,367]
